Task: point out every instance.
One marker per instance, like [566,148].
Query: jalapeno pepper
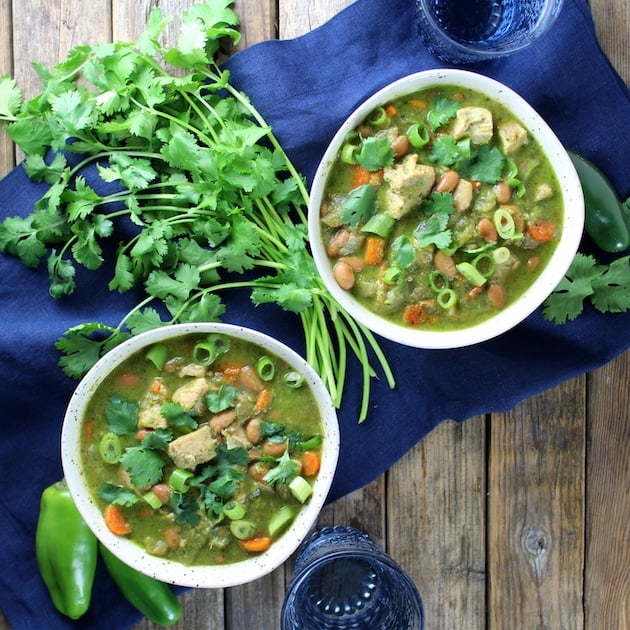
[605,221]
[154,599]
[66,551]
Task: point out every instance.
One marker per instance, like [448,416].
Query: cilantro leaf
[612,287]
[403,252]
[10,97]
[284,471]
[376,152]
[144,465]
[222,399]
[117,495]
[447,151]
[359,205]
[185,509]
[121,415]
[177,416]
[484,166]
[433,231]
[443,110]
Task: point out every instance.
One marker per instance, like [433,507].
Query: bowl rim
[169,571]
[534,296]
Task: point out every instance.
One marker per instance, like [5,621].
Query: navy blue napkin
[305,88]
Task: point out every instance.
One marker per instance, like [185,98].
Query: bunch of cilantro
[204,200]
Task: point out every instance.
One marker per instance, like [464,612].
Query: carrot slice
[263,400]
[360,176]
[115,520]
[542,230]
[257,544]
[374,250]
[310,463]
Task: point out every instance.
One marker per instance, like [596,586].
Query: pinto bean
[503,192]
[274,449]
[223,420]
[487,230]
[445,263]
[338,241]
[258,470]
[343,274]
[356,262]
[400,145]
[447,182]
[496,296]
[249,379]
[252,431]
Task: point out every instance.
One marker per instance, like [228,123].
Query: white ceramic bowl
[168,570]
[573,221]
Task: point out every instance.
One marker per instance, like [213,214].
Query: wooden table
[518,520]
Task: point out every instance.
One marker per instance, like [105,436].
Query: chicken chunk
[150,407]
[192,449]
[409,182]
[474,123]
[191,394]
[512,136]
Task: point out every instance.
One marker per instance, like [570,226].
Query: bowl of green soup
[444,210]
[200,454]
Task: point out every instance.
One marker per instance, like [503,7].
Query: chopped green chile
[380,224]
[158,354]
[110,449]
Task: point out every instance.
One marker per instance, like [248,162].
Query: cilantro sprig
[606,286]
[191,183]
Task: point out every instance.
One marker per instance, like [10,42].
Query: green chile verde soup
[440,209]
[202,449]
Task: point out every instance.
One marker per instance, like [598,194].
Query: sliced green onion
[447,298]
[151,498]
[242,529]
[379,118]
[300,489]
[293,380]
[311,443]
[471,274]
[478,250]
[348,153]
[179,479]
[449,251]
[501,255]
[110,449]
[512,178]
[504,222]
[484,263]
[418,135]
[438,281]
[157,354]
[265,368]
[280,520]
[234,510]
[393,276]
[380,224]
[205,352]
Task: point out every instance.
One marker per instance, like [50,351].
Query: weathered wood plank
[297,17]
[436,522]
[607,578]
[536,511]
[7,151]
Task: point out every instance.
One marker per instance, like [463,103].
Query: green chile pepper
[66,551]
[605,220]
[154,599]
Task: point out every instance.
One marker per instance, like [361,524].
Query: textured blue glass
[343,580]
[467,31]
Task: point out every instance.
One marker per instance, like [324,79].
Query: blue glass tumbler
[342,580]
[468,31]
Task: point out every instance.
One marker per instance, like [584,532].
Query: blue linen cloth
[305,88]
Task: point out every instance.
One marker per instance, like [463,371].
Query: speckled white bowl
[167,570]
[573,222]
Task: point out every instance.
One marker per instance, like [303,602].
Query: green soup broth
[234,422]
[440,210]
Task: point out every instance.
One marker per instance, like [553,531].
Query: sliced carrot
[542,230]
[88,429]
[391,110]
[417,103]
[257,544]
[360,176]
[374,250]
[115,520]
[263,400]
[231,373]
[172,537]
[310,463]
[415,315]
